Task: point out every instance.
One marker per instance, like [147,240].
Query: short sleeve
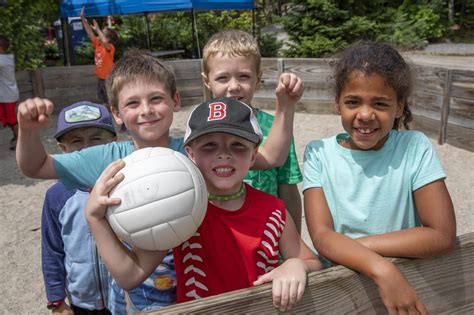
[80,169]
[311,166]
[427,167]
[290,173]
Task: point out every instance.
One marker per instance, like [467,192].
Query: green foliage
[319,28]
[269,45]
[21,21]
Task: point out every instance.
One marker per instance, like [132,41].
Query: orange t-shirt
[104,60]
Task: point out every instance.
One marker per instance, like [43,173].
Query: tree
[22,22]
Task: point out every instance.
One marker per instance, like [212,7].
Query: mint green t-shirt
[371,192]
[269,180]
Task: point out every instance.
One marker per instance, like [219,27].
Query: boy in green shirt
[231,63]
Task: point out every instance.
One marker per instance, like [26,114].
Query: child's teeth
[223,170]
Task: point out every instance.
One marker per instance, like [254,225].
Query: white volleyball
[164,199]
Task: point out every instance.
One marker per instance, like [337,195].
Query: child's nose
[147,109]
[366,113]
[224,154]
[234,85]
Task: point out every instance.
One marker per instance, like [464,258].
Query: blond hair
[137,65]
[232,43]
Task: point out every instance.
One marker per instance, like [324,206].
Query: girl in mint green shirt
[375,191]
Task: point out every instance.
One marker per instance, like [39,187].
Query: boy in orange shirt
[104,50]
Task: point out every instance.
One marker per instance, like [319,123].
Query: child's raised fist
[34,113]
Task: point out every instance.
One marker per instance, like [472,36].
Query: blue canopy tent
[70,8]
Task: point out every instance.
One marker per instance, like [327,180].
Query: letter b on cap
[217,111]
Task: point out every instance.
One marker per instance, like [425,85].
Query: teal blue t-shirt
[80,169]
[371,192]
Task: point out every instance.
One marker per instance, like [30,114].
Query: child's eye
[131,104]
[351,102]
[209,146]
[156,99]
[381,104]
[244,77]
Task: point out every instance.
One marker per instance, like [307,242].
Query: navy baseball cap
[225,115]
[84,114]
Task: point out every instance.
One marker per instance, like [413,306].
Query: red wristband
[54,305]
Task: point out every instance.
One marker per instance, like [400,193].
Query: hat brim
[252,137]
[85,125]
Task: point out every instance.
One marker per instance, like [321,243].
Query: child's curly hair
[384,60]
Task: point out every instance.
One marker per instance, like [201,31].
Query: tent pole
[195,33]
[253,22]
[148,41]
[66,46]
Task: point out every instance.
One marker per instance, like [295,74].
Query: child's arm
[435,237]
[396,292]
[32,159]
[275,150]
[290,194]
[289,279]
[103,40]
[136,265]
[85,23]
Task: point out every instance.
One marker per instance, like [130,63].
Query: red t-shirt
[104,60]
[231,248]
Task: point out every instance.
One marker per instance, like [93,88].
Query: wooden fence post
[37,81]
[205,91]
[445,108]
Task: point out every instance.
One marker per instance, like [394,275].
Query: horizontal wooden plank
[445,285]
[429,79]
[186,68]
[463,84]
[308,69]
[308,106]
[21,76]
[269,68]
[426,104]
[461,112]
[429,127]
[460,137]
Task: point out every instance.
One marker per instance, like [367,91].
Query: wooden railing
[445,285]
[442,102]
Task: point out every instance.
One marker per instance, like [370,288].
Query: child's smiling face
[146,109]
[223,160]
[232,76]
[368,107]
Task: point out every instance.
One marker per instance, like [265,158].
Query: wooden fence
[442,102]
[445,284]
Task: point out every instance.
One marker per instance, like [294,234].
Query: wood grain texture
[445,284]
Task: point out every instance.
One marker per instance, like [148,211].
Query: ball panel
[150,188]
[157,212]
[160,237]
[141,169]
[183,228]
[200,204]
[118,229]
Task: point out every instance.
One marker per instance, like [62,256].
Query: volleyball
[163,199]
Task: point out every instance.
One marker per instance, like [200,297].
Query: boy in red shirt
[104,50]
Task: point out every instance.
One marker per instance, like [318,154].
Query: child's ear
[62,147]
[336,105]
[400,108]
[205,80]
[177,102]
[254,156]
[116,114]
[190,153]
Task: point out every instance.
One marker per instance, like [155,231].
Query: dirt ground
[21,199]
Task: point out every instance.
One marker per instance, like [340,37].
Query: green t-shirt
[288,173]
